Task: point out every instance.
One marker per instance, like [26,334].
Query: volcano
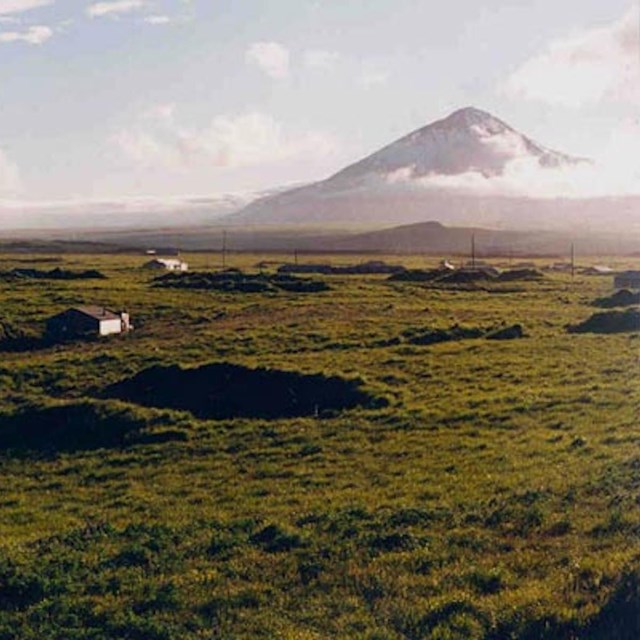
[447,172]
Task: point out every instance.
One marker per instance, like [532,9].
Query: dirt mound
[464,276]
[74,427]
[417,275]
[54,274]
[14,338]
[9,331]
[365,268]
[446,276]
[520,274]
[514,332]
[609,322]
[426,336]
[225,391]
[234,281]
[622,298]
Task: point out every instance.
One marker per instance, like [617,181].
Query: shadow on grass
[83,426]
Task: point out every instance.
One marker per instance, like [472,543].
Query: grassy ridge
[495,497]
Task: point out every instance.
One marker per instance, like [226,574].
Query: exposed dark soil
[53,274]
[418,275]
[74,427]
[443,276]
[9,331]
[520,274]
[464,276]
[371,267]
[622,298]
[225,391]
[16,339]
[426,336]
[609,322]
[237,282]
[514,332]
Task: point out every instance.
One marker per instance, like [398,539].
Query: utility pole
[473,250]
[224,249]
[573,260]
[295,256]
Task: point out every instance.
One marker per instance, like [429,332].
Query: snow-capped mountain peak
[466,168]
[468,140]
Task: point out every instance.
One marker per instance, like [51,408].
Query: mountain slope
[467,140]
[451,171]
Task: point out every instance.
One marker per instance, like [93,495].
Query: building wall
[72,323]
[109,327]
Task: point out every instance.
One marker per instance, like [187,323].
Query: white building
[167,264]
[87,321]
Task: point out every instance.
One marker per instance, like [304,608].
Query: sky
[167,98]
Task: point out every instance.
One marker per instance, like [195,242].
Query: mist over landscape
[319,320]
[468,169]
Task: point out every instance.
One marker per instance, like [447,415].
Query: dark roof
[96,312]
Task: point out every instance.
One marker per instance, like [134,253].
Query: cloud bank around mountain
[616,173]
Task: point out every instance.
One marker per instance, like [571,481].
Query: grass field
[493,492]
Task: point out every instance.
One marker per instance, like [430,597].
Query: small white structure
[87,321]
[561,267]
[598,270]
[445,265]
[167,264]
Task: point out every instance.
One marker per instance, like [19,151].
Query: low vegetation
[465,488]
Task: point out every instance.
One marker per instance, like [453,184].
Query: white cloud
[272,57]
[588,67]
[10,183]
[146,150]
[18,6]
[114,8]
[35,35]
[158,20]
[162,113]
[320,59]
[373,78]
[229,141]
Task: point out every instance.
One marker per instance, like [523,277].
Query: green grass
[496,496]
